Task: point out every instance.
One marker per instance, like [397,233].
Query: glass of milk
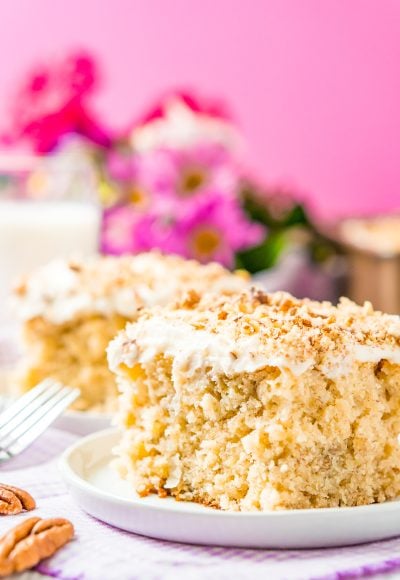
[34,231]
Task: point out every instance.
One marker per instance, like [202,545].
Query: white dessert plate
[97,488]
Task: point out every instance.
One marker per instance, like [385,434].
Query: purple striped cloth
[100,551]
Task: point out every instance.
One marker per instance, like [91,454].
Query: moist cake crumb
[259,401]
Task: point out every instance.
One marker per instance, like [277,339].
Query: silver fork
[27,418]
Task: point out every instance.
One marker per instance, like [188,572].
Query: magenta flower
[79,74]
[188,172]
[54,103]
[121,166]
[125,171]
[192,101]
[214,228]
[182,119]
[180,201]
[125,231]
[169,179]
[118,229]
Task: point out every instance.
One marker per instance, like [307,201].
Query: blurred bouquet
[173,181]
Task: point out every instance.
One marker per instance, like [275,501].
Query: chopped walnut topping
[298,330]
[75,267]
[190,299]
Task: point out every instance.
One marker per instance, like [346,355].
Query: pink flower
[214,229]
[121,166]
[197,104]
[79,74]
[170,179]
[54,103]
[126,172]
[118,231]
[182,119]
[127,231]
[180,201]
[188,172]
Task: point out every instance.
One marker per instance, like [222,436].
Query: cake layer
[72,309]
[73,353]
[260,401]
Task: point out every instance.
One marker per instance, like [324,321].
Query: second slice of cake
[257,402]
[71,309]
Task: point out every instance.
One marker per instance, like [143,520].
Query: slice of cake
[258,402]
[72,309]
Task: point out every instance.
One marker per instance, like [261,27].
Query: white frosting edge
[55,291]
[192,349]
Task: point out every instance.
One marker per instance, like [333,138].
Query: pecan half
[31,541]
[14,500]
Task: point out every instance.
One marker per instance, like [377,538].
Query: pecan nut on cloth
[14,500]
[31,541]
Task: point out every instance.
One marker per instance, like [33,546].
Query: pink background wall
[315,84]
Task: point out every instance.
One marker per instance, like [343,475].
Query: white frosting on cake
[64,289]
[194,349]
[228,338]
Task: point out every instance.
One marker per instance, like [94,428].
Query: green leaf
[263,256]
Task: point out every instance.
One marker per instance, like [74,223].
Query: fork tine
[47,391]
[4,455]
[34,417]
[23,401]
[58,405]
